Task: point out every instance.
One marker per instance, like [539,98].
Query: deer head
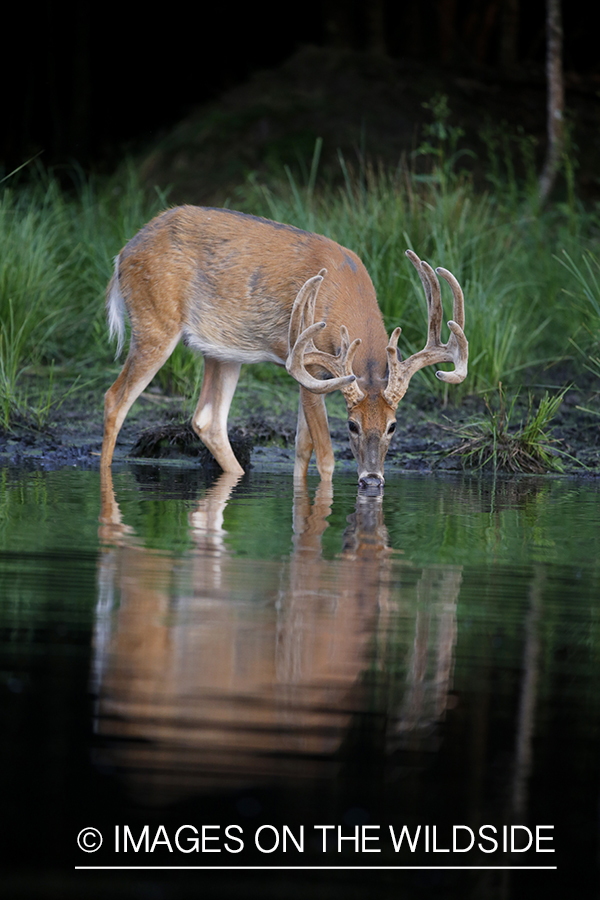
[372,405]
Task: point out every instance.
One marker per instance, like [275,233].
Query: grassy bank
[531,281]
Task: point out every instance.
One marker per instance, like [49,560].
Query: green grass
[57,252]
[586,297]
[499,444]
[529,277]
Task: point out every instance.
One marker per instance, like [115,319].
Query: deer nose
[371,482]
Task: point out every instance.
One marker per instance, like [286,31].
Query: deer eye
[353,427]
[391,428]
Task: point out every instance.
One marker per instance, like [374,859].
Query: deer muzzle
[371,483]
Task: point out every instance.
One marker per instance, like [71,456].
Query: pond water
[272,689]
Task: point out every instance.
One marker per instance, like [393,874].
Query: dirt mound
[364,105]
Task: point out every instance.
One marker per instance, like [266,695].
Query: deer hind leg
[313,434]
[210,418]
[140,367]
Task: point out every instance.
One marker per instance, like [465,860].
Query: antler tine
[435,310]
[458,347]
[422,274]
[392,347]
[302,352]
[303,311]
[457,341]
[433,293]
[352,393]
[312,299]
[458,306]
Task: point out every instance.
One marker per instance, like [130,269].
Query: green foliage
[30,284]
[514,261]
[496,443]
[498,247]
[441,149]
[57,251]
[587,277]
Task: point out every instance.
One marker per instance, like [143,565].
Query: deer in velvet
[242,289]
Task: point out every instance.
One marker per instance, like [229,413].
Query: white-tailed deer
[241,289]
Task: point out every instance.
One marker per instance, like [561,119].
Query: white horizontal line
[327,868]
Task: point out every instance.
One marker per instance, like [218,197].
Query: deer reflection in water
[213,669]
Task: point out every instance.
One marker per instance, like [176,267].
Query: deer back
[228,282]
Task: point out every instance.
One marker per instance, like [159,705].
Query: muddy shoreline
[156,428]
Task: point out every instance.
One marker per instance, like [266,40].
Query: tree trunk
[556,98]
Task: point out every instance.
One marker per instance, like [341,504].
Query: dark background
[94,81]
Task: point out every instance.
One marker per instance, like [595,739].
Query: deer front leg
[210,418]
[313,434]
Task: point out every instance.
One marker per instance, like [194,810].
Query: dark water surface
[216,671]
